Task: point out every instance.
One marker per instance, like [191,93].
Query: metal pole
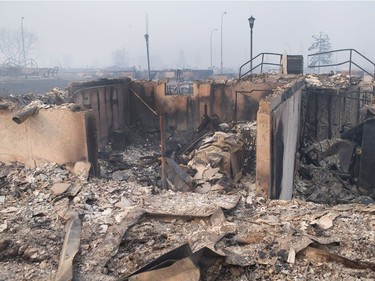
[162,141]
[211,46]
[251,24]
[23,43]
[148,57]
[221,42]
[251,51]
[350,63]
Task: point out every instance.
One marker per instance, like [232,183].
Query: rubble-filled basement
[268,177]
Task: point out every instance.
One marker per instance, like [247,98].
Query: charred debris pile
[208,224]
[216,157]
[335,156]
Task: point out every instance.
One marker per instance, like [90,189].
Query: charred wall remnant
[306,114]
[117,103]
[366,174]
[141,101]
[332,105]
[278,122]
[109,102]
[57,134]
[184,112]
[335,111]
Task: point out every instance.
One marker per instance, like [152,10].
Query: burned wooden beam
[21,116]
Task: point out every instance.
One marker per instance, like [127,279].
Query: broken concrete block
[124,203]
[190,204]
[82,168]
[3,226]
[119,175]
[60,188]
[103,228]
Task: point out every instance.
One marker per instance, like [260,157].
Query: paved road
[19,86]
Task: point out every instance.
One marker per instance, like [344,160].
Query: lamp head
[251,22]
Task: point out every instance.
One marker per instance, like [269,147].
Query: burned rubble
[58,222]
[329,169]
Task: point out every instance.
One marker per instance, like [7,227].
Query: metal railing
[261,64]
[30,63]
[11,62]
[350,61]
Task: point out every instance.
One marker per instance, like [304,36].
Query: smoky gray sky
[85,33]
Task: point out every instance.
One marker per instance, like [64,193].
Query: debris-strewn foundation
[213,219]
[255,238]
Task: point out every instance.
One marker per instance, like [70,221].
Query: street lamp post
[251,24]
[211,45]
[147,49]
[221,42]
[148,57]
[23,43]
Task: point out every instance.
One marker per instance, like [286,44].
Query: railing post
[350,63]
[261,66]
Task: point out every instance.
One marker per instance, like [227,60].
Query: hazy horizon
[85,34]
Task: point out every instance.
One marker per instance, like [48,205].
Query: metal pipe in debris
[145,103]
[4,106]
[25,113]
[162,141]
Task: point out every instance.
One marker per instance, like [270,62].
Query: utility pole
[211,46]
[148,54]
[221,42]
